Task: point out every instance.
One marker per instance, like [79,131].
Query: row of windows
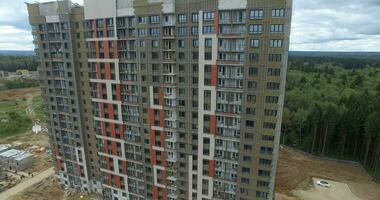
[209,16]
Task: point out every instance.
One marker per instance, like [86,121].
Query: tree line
[334,111]
[14,63]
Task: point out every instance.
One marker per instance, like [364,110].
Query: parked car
[323,184]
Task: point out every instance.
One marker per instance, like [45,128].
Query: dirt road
[295,172]
[24,185]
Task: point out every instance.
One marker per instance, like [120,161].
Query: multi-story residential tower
[186,96]
[58,34]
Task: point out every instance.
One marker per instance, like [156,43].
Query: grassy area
[38,108]
[18,105]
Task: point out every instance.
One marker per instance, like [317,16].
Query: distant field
[13,105]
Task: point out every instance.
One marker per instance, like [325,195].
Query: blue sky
[318,25]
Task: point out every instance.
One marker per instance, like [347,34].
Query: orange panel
[216,22]
[118,92]
[124,167]
[117,181]
[115,49]
[214,75]
[78,170]
[155,192]
[213,124]
[211,171]
[114,148]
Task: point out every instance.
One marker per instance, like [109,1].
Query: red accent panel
[214,75]
[114,148]
[153,156]
[115,49]
[213,124]
[124,167]
[78,170]
[162,118]
[216,22]
[110,111]
[100,90]
[211,170]
[109,179]
[151,116]
[108,71]
[161,96]
[155,192]
[118,92]
[94,28]
[117,181]
[164,193]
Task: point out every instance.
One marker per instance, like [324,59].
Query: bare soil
[49,189]
[295,171]
[7,95]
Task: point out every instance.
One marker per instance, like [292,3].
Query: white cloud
[323,25]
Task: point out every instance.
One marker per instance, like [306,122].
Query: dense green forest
[332,108]
[14,63]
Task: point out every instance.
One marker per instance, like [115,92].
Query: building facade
[175,99]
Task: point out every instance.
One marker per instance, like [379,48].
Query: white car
[323,184]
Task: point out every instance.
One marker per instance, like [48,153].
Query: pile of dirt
[295,171]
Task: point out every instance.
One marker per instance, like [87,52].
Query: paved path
[23,185]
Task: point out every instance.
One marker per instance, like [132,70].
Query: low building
[14,159]
[4,74]
[4,147]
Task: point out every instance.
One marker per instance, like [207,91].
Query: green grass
[13,118]
[38,108]
[12,106]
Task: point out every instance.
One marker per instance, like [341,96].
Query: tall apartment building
[168,99]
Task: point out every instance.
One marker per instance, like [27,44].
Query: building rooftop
[4,147]
[15,154]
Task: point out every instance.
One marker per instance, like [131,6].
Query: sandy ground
[48,189]
[336,191]
[295,172]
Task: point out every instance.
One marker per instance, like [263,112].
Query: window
[271,99]
[255,43]
[155,43]
[182,18]
[194,17]
[275,57]
[155,32]
[208,29]
[254,57]
[142,32]
[194,30]
[275,43]
[273,86]
[278,12]
[141,20]
[263,173]
[182,31]
[154,19]
[252,85]
[250,111]
[208,56]
[257,14]
[265,161]
[208,16]
[253,71]
[268,137]
[181,43]
[195,43]
[262,183]
[256,28]
[249,123]
[276,28]
[274,72]
[208,43]
[269,125]
[251,98]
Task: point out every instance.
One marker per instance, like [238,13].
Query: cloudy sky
[318,25]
